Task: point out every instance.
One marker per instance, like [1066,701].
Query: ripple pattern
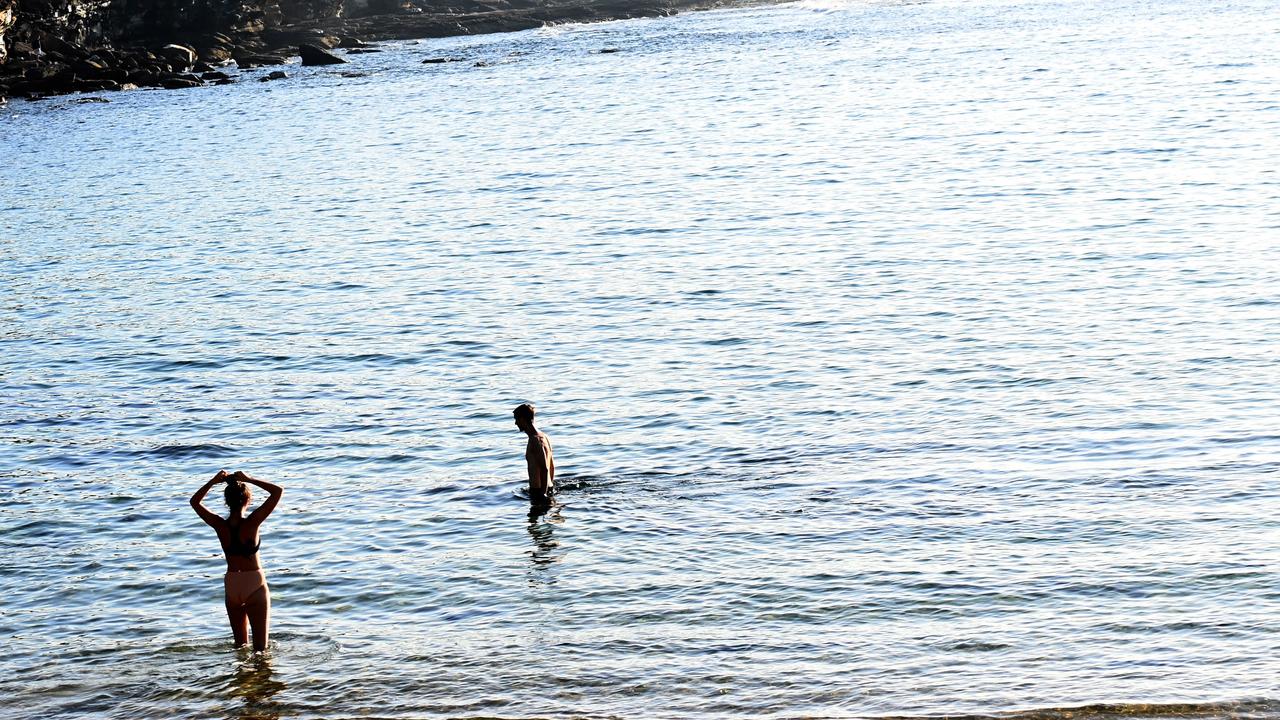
[903,360]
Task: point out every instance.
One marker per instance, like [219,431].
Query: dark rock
[274,75]
[95,85]
[362,51]
[438,60]
[606,51]
[214,75]
[44,72]
[52,43]
[143,77]
[347,42]
[480,63]
[177,82]
[247,61]
[354,74]
[312,55]
[87,100]
[293,36]
[215,55]
[294,11]
[179,56]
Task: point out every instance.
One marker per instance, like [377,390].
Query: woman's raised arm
[273,496]
[197,500]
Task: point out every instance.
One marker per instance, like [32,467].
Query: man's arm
[551,466]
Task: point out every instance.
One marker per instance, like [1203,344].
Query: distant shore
[60,67]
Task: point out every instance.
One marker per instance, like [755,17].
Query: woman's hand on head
[220,477]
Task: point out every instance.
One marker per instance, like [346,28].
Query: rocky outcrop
[8,10]
[58,46]
[312,55]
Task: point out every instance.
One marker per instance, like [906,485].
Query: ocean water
[901,359]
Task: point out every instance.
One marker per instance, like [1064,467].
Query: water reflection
[254,683]
[546,549]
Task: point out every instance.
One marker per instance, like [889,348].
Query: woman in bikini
[248,598]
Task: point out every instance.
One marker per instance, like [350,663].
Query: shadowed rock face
[62,46]
[6,22]
[90,22]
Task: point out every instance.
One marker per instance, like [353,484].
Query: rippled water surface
[901,359]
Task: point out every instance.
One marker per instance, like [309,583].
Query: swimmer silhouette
[247,596]
[538,456]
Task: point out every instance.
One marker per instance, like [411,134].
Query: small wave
[186,451]
[1262,709]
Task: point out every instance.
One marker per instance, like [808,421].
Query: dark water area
[902,360]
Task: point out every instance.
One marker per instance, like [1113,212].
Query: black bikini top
[235,546]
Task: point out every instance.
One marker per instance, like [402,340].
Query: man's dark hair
[524,412]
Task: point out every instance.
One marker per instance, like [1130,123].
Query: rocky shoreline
[44,64]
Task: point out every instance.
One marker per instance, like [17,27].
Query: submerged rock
[313,55]
[274,75]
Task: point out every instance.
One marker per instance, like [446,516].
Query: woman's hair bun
[235,494]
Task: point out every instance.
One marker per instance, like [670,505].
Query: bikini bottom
[240,585]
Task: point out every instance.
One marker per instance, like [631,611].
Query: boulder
[95,85]
[216,55]
[273,75]
[215,75]
[177,82]
[246,61]
[313,55]
[143,77]
[179,56]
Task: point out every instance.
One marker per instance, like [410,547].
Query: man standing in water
[537,454]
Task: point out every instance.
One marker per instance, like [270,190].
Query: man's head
[524,416]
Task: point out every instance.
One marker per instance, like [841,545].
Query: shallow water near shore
[901,359]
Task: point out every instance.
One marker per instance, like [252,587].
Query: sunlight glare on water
[901,359]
